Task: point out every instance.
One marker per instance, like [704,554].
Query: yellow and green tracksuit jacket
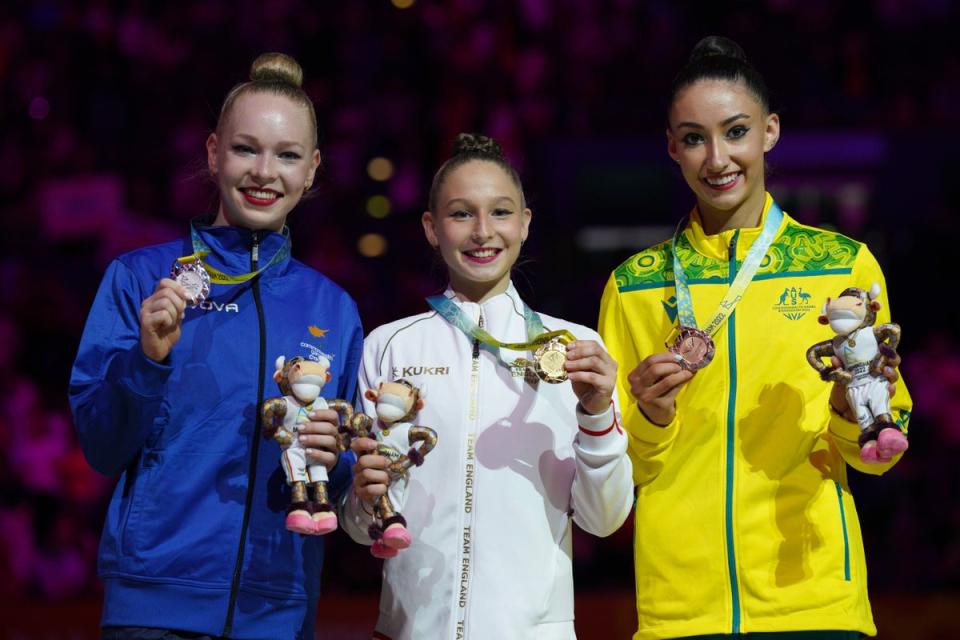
[744,520]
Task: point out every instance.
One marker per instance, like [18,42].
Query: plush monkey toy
[863,350]
[300,382]
[397,403]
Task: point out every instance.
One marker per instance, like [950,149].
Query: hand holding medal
[593,374]
[160,318]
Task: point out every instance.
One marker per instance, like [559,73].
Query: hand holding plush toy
[863,351]
[301,381]
[397,403]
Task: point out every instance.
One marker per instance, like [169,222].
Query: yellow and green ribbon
[201,250]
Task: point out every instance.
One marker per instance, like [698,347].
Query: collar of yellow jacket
[716,246]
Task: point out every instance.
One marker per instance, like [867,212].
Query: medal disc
[549,361]
[694,348]
[194,278]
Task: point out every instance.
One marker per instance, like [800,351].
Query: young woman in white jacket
[517,458]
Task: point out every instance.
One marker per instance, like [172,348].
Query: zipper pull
[255,251]
[733,247]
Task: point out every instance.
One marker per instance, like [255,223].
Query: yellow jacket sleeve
[648,444]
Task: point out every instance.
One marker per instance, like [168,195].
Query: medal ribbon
[749,268]
[201,250]
[536,333]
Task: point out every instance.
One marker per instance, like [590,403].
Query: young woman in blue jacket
[170,378]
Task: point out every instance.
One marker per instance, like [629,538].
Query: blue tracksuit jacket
[194,538]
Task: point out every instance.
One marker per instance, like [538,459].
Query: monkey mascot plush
[300,382]
[863,351]
[397,403]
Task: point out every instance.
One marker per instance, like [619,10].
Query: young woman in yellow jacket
[744,520]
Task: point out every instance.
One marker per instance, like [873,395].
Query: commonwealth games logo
[794,303]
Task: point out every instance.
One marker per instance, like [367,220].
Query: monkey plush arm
[345,412]
[888,334]
[274,410]
[815,355]
[888,339]
[828,373]
[427,438]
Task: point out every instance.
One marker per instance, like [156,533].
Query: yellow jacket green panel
[744,521]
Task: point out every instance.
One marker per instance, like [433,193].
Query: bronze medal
[694,348]
[194,278]
[549,361]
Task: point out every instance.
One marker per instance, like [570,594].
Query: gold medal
[549,361]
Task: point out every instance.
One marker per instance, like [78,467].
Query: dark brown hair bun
[476,145]
[717,46]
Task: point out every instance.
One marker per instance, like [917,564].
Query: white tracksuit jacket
[490,509]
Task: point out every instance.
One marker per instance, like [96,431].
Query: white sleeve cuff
[600,433]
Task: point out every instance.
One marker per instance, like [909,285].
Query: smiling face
[263,158]
[478,226]
[718,135]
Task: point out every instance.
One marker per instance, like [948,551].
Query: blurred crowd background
[105,106]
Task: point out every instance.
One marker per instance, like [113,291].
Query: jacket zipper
[475,374]
[846,540]
[731,441]
[467,560]
[255,445]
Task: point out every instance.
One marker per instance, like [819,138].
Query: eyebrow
[696,125]
[467,201]
[282,143]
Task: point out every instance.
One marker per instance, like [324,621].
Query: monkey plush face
[396,401]
[854,308]
[303,379]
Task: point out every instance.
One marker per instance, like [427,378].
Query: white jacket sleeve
[602,493]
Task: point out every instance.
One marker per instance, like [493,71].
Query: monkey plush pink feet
[396,536]
[391,538]
[888,443]
[299,521]
[324,522]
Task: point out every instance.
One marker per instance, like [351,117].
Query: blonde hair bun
[276,67]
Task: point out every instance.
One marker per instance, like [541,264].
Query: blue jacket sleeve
[341,476]
[116,392]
